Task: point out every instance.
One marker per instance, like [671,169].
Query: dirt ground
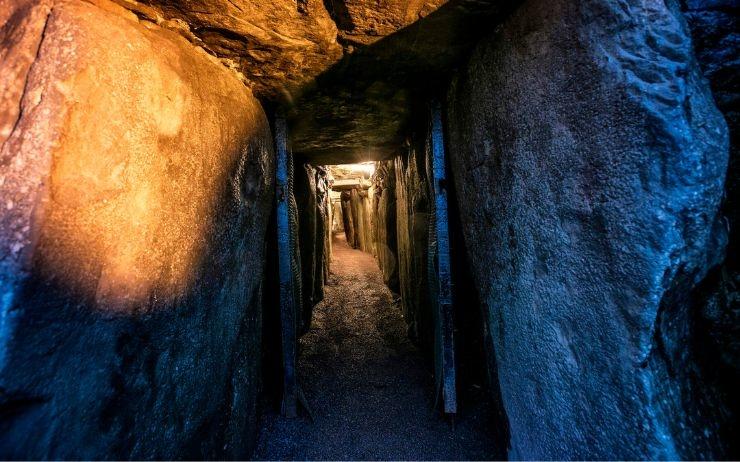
[370,389]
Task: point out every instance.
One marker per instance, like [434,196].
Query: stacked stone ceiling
[347,72]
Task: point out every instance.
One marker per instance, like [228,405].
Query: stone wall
[358,219]
[136,179]
[311,191]
[347,220]
[361,218]
[356,206]
[595,157]
[337,219]
[384,217]
[716,37]
[304,191]
[412,227]
[323,233]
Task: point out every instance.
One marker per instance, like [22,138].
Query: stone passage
[370,389]
[593,184]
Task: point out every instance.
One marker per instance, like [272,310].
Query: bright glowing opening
[364,169]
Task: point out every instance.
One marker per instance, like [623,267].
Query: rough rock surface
[267,41]
[385,218]
[360,203]
[348,224]
[412,227]
[360,108]
[358,219]
[323,233]
[593,151]
[714,28]
[135,182]
[311,192]
[363,22]
[306,202]
[264,41]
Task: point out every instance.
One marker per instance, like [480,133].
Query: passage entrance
[438,264]
[369,387]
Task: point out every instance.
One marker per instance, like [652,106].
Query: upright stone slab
[349,225]
[323,234]
[358,219]
[305,194]
[136,180]
[384,217]
[589,159]
[716,37]
[412,220]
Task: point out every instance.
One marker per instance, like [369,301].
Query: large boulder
[589,161]
[136,178]
[265,42]
[363,22]
[716,37]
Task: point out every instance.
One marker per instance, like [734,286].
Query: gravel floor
[369,387]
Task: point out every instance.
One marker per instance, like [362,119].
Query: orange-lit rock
[135,185]
[136,139]
[362,22]
[281,46]
[278,46]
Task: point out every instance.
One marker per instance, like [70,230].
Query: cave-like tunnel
[369,229]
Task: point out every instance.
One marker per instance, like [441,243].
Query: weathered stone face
[136,178]
[360,109]
[306,202]
[348,71]
[362,22]
[281,46]
[413,212]
[716,38]
[385,219]
[278,46]
[589,161]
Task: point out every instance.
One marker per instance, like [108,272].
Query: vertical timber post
[287,297]
[444,289]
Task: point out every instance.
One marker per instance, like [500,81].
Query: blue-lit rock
[589,159]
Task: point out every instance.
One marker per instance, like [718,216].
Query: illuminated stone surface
[281,46]
[277,46]
[363,22]
[136,184]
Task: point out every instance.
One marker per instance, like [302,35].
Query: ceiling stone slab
[358,109]
[278,46]
[349,72]
[363,22]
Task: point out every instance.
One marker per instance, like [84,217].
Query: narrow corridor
[369,388]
